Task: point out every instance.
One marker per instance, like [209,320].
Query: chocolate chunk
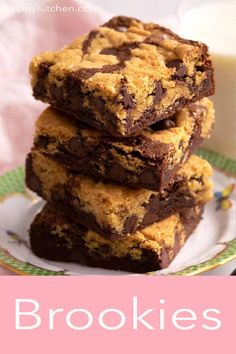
[110,51]
[123,52]
[128,99]
[32,180]
[74,145]
[153,204]
[168,123]
[85,74]
[39,89]
[156,38]
[117,173]
[130,224]
[163,124]
[149,219]
[56,91]
[88,41]
[179,66]
[159,92]
[120,22]
[42,141]
[200,68]
[205,85]
[43,69]
[148,177]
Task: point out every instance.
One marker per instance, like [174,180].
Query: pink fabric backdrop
[23,35]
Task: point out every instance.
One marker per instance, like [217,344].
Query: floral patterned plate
[211,245]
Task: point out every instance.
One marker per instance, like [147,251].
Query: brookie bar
[149,160]
[53,236]
[124,76]
[112,210]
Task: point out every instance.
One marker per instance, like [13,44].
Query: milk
[214,23]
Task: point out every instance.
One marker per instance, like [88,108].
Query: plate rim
[11,184]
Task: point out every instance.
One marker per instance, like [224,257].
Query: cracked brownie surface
[53,236]
[149,160]
[112,210]
[124,75]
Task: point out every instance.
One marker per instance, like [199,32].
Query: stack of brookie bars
[112,155]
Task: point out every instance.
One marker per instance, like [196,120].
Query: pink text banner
[117,315]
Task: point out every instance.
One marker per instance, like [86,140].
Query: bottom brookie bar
[54,237]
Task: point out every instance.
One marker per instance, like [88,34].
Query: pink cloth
[23,35]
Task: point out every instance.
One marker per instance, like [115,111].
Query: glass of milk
[214,23]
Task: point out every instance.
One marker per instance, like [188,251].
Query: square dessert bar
[112,210]
[149,160]
[53,236]
[123,76]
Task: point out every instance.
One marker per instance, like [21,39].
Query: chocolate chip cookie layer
[112,210]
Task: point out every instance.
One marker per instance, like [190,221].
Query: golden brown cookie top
[130,65]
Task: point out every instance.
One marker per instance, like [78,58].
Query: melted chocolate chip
[128,99]
[159,92]
[156,38]
[130,224]
[43,69]
[117,173]
[120,23]
[148,177]
[123,52]
[88,41]
[205,85]
[168,123]
[200,68]
[39,89]
[74,145]
[32,180]
[85,74]
[163,124]
[110,51]
[179,66]
[42,141]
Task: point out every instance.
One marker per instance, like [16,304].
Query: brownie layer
[149,160]
[112,210]
[122,81]
[54,237]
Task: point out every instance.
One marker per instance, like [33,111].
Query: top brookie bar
[124,76]
[112,210]
[149,160]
